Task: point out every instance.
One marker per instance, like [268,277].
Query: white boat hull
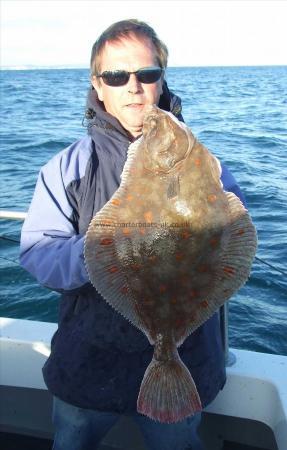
[255,394]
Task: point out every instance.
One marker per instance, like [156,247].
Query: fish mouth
[151,117]
[151,112]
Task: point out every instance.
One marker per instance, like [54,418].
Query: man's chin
[133,127]
[134,120]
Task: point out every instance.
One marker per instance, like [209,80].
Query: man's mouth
[135,105]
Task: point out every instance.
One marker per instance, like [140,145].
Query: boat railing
[13,215]
[223,312]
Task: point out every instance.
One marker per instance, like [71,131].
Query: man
[98,358]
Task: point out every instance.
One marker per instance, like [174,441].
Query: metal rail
[14,215]
[223,311]
[230,358]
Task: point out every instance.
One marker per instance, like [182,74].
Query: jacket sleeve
[230,184]
[51,250]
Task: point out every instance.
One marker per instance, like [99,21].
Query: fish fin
[132,152]
[235,264]
[111,284]
[173,187]
[101,263]
[168,393]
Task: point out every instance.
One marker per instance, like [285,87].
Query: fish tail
[168,393]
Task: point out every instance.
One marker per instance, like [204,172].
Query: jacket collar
[97,118]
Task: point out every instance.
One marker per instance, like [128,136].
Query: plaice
[167,250]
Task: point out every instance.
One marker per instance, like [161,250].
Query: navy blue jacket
[98,358]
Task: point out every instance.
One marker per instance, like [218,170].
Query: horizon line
[84,67]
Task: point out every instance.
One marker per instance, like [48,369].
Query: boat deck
[11,441]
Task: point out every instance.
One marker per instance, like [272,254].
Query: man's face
[127,102]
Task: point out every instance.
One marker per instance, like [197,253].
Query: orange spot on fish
[229,270]
[193,293]
[179,322]
[136,266]
[152,258]
[126,231]
[203,268]
[116,202]
[148,301]
[142,231]
[124,290]
[106,241]
[240,232]
[148,216]
[185,234]
[113,269]
[179,256]
[214,242]
[129,198]
[107,222]
[203,304]
[162,288]
[211,198]
[197,162]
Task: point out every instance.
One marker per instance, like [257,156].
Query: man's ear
[96,82]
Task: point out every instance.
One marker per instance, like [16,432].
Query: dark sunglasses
[146,75]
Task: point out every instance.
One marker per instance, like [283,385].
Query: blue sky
[197,33]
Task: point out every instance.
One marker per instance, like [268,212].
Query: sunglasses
[146,75]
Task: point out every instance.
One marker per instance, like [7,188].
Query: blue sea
[239,113]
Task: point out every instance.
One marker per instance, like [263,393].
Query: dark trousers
[83,429]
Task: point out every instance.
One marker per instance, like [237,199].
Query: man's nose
[134,86]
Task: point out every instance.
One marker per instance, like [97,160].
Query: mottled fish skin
[167,250]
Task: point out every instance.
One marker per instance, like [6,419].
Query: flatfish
[167,250]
